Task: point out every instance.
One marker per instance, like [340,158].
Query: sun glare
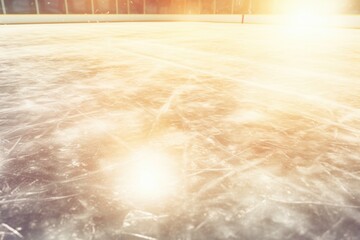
[151,176]
[310,13]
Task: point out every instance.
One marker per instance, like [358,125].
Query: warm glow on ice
[150,175]
[179,130]
[307,19]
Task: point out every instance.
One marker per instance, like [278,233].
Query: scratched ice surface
[262,124]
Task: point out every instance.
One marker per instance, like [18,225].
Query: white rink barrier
[350,21]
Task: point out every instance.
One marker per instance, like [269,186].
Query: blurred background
[176,6]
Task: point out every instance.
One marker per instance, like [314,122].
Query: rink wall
[350,21]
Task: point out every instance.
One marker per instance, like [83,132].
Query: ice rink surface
[182,131]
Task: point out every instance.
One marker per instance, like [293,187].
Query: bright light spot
[307,19]
[311,13]
[319,7]
[150,176]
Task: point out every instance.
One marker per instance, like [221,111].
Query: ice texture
[262,124]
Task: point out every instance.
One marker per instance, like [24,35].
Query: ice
[257,128]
